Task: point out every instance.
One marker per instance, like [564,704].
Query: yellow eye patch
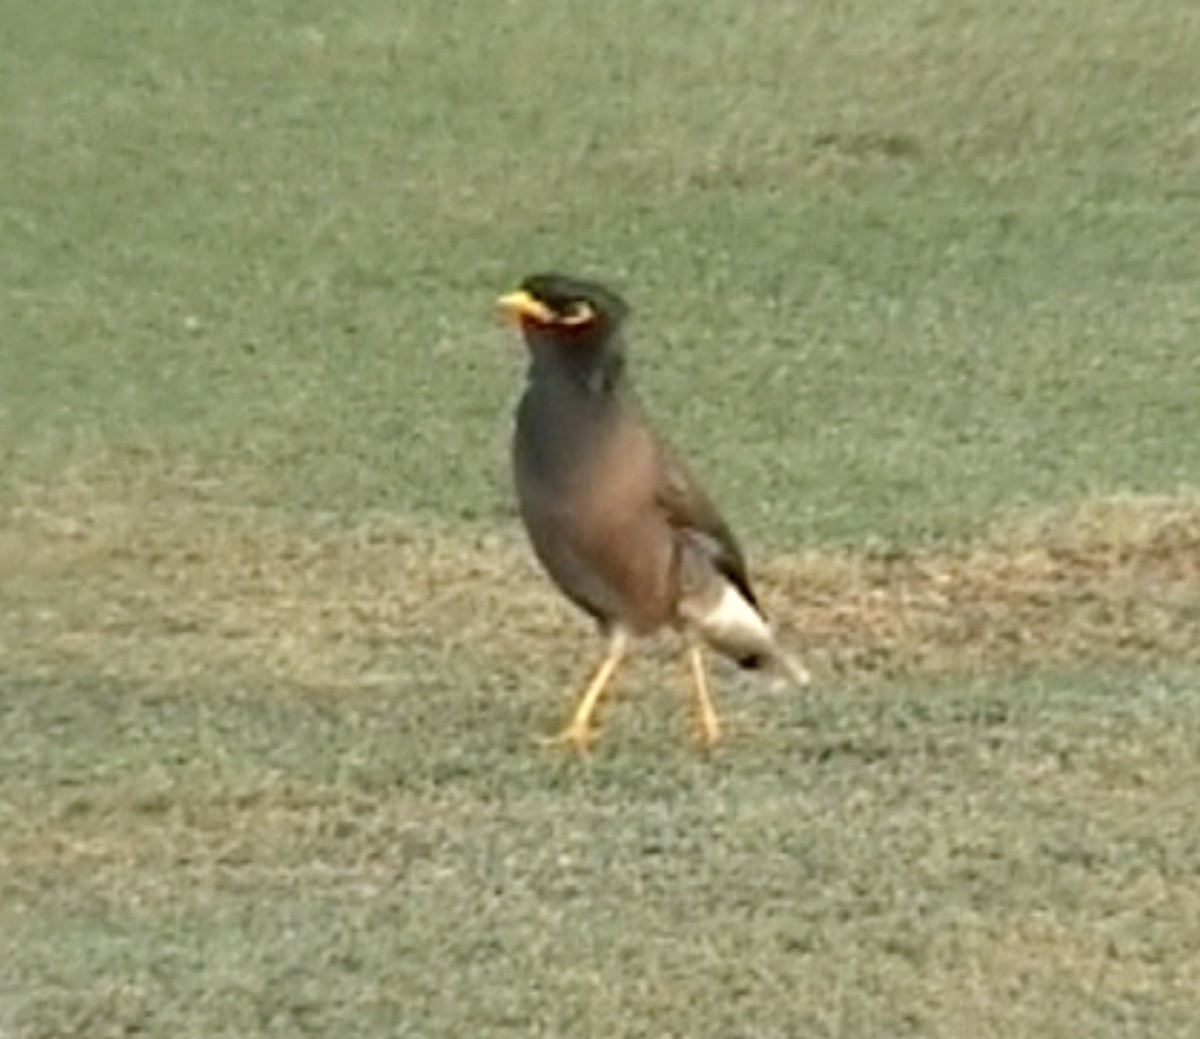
[579,314]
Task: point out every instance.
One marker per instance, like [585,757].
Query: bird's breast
[586,486]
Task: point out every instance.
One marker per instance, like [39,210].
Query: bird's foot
[710,731]
[578,737]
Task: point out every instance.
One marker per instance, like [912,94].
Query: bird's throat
[577,377]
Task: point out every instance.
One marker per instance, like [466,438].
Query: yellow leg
[710,724]
[579,733]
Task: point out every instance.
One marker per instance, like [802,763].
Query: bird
[614,515]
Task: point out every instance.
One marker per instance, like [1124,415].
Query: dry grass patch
[159,585]
[1112,581]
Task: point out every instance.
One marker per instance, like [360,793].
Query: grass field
[916,289]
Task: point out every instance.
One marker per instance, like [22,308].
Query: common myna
[619,523]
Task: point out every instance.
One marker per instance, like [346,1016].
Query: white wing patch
[733,625]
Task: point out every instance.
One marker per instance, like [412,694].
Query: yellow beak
[521,304]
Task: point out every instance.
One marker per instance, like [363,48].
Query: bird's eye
[577,314]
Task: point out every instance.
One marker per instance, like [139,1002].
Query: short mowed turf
[915,289]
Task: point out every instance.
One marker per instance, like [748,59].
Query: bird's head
[566,311]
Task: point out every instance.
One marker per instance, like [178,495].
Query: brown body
[599,531]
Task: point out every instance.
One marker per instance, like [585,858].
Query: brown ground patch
[1111,581]
[156,585]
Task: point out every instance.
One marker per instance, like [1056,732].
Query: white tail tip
[790,666]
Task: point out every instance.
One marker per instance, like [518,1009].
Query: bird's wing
[691,512]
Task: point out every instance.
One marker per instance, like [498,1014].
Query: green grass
[903,272]
[897,267]
[992,858]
